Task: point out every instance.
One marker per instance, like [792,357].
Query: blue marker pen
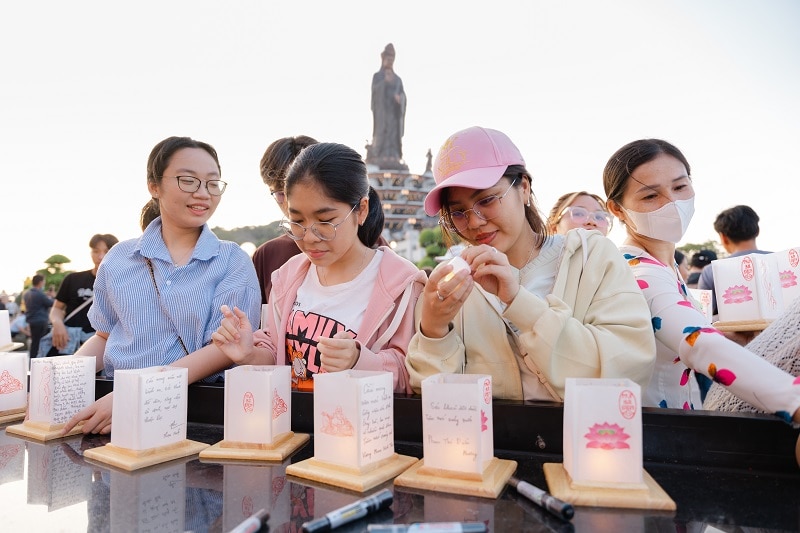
[348,513]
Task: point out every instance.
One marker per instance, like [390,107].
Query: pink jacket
[388,321]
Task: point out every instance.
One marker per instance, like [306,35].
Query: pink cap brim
[476,178]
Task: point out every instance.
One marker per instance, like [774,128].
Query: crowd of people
[543,298]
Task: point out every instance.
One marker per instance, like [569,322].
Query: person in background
[341,304]
[531,309]
[37,309]
[20,331]
[737,228]
[274,253]
[10,304]
[157,297]
[579,210]
[683,264]
[649,188]
[77,288]
[699,261]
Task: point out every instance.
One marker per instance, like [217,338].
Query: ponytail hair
[370,231]
[150,212]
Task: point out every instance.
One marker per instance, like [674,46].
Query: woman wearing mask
[649,188]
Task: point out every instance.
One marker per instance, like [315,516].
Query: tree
[690,248]
[54,273]
[432,241]
[255,234]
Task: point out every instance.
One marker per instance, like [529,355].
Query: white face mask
[668,223]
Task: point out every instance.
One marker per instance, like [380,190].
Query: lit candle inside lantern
[603,431]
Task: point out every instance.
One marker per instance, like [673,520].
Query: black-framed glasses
[485,209]
[192,184]
[580,215]
[279,196]
[324,231]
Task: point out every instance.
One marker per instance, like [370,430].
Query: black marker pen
[544,499]
[348,513]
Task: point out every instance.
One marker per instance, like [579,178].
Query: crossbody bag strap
[528,360]
[77,309]
[163,308]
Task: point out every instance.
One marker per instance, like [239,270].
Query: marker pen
[348,513]
[544,499]
[429,527]
[252,524]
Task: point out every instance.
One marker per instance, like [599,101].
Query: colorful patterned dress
[685,341]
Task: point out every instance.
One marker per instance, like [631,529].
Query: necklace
[528,260]
[183,258]
[324,277]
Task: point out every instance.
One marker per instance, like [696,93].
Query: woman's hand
[492,271]
[234,336]
[442,298]
[96,418]
[339,352]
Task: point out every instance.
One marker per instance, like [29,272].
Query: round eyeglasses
[581,215]
[324,231]
[279,196]
[485,209]
[192,184]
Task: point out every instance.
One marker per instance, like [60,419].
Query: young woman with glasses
[532,309]
[579,210]
[340,304]
[157,297]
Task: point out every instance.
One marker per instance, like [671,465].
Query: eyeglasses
[580,215]
[279,196]
[322,230]
[192,184]
[485,209]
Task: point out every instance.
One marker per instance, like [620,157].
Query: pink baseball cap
[475,158]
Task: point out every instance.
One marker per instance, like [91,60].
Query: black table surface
[51,487]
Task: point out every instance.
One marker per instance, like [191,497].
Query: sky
[89,87]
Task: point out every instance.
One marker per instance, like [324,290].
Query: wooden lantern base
[12,415]
[130,460]
[278,450]
[742,325]
[42,431]
[650,496]
[14,346]
[489,484]
[355,479]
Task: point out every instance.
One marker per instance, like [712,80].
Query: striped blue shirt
[127,307]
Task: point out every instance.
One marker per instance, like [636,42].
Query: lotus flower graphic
[9,383]
[737,294]
[788,279]
[607,437]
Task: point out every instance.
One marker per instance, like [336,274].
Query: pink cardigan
[388,321]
